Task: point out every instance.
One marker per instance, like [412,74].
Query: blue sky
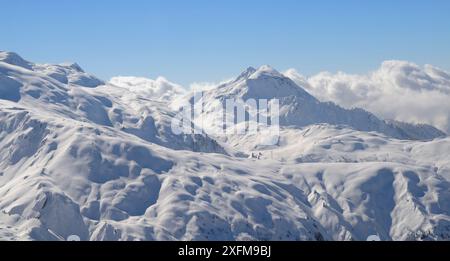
[212,40]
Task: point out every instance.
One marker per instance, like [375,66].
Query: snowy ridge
[101,162]
[298,108]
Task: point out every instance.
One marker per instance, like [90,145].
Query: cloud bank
[397,90]
[159,89]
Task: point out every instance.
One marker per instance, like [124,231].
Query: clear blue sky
[211,40]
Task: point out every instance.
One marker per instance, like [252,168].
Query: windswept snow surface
[79,156]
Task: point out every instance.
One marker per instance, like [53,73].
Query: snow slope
[101,162]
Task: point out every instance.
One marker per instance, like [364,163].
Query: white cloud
[202,86]
[397,90]
[159,89]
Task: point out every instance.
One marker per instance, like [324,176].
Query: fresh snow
[83,157]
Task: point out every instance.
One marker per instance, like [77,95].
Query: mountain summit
[298,108]
[262,83]
[65,73]
[14,59]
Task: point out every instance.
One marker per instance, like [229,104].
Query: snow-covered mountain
[79,156]
[299,109]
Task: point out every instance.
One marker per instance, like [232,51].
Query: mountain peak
[14,59]
[250,70]
[262,83]
[252,73]
[73,66]
[268,70]
[246,74]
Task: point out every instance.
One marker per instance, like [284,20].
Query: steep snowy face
[14,59]
[297,108]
